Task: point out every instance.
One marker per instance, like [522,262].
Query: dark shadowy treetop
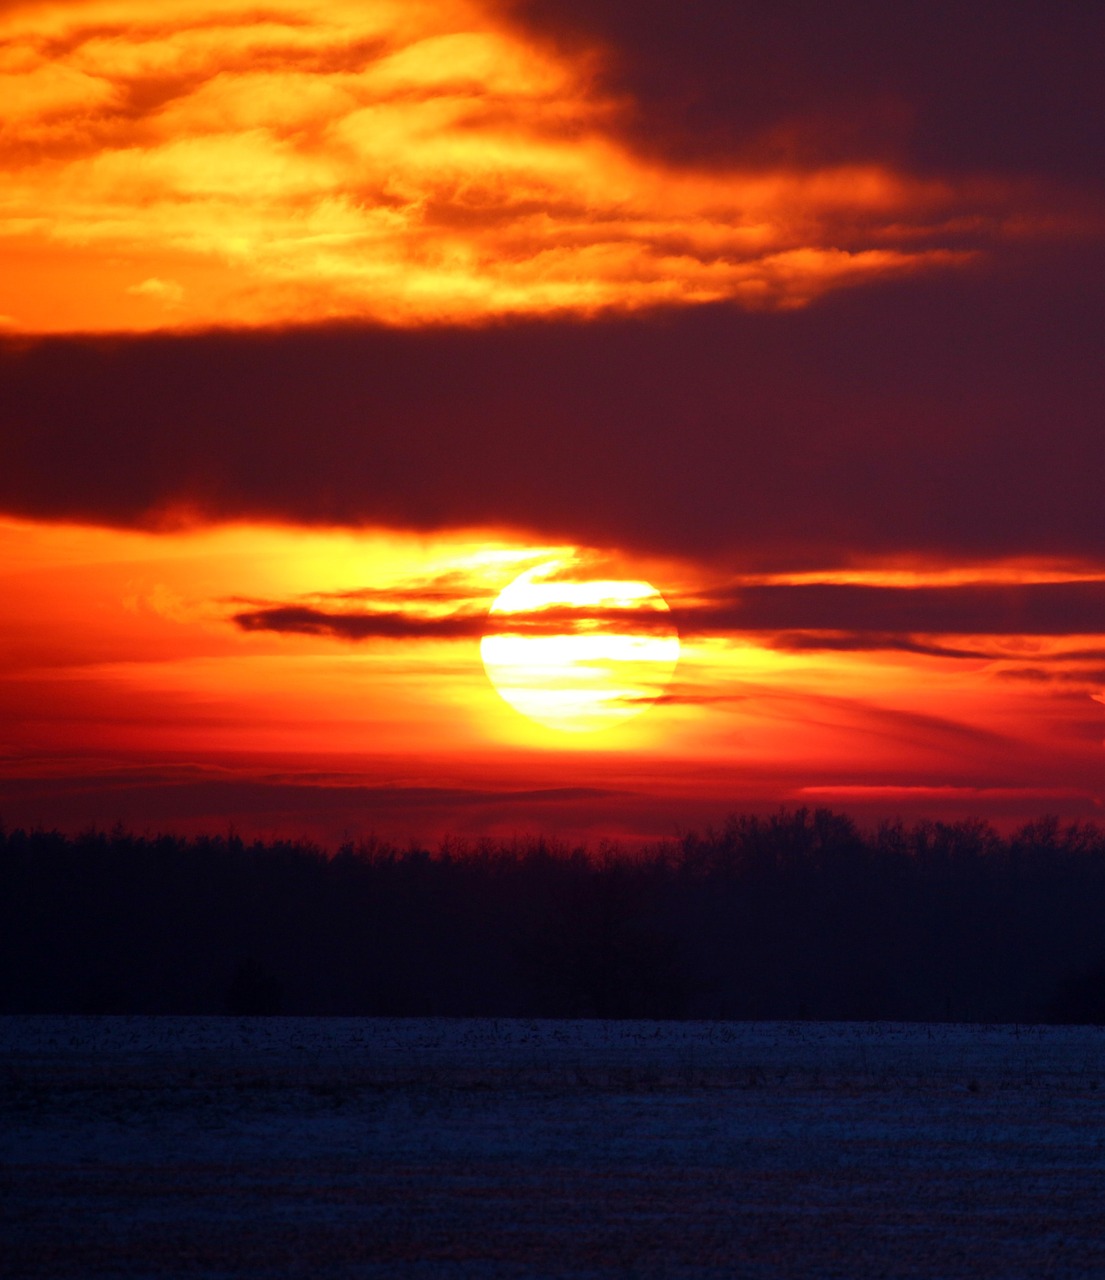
[799,915]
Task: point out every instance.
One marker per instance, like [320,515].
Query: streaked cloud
[912,617]
[375,625]
[980,608]
[210,162]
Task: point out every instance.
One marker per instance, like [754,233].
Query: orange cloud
[209,162]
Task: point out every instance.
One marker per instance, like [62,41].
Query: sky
[759,346]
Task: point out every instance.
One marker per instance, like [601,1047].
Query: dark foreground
[349,1147]
[800,915]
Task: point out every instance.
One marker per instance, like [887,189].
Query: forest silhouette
[800,915]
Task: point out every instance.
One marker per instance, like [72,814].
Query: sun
[579,653]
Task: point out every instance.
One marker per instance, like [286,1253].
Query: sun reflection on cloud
[207,164]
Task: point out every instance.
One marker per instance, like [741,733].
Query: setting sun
[476,416]
[578,653]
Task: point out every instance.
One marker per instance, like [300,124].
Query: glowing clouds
[405,163]
[577,653]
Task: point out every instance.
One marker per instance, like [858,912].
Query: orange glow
[211,648]
[193,164]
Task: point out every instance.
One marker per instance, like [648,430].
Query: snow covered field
[348,1147]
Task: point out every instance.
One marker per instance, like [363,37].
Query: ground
[365,1147]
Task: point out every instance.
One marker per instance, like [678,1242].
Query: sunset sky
[765,343]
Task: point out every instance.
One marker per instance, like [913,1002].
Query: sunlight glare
[579,654]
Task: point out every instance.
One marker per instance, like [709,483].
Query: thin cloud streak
[381,624]
[880,613]
[807,616]
[303,620]
[867,642]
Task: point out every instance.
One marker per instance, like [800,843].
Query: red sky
[321,326]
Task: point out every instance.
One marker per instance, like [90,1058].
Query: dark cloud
[807,616]
[946,85]
[958,417]
[397,625]
[303,620]
[880,617]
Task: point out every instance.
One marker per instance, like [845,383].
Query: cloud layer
[958,419]
[207,162]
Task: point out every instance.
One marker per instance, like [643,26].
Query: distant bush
[797,915]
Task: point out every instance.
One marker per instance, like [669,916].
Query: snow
[220,1147]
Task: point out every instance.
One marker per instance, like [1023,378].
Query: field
[219,1147]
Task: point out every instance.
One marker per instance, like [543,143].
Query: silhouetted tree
[798,914]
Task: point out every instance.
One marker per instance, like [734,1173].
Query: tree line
[797,915]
